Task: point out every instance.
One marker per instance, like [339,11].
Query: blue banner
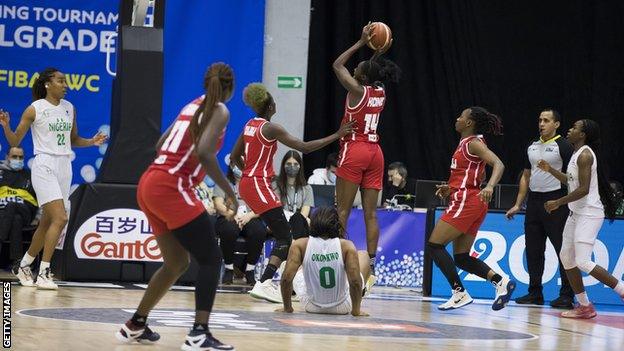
[78,37]
[500,244]
[400,254]
[198,33]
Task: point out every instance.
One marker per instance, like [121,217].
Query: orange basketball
[382,36]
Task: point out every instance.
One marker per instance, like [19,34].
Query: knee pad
[586,266]
[281,247]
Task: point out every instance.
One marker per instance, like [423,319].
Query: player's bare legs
[369,204]
[58,220]
[345,195]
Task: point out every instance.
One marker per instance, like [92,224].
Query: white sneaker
[457,300]
[370,282]
[504,289]
[44,280]
[196,341]
[266,291]
[143,335]
[24,274]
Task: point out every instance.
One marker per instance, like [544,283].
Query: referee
[538,225]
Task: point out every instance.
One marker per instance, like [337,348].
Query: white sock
[250,267]
[582,298]
[27,260]
[619,288]
[43,266]
[229,266]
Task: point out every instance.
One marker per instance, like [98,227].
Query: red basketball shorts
[258,194]
[466,211]
[361,163]
[168,201]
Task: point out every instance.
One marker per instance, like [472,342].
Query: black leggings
[254,232]
[198,238]
[299,226]
[280,229]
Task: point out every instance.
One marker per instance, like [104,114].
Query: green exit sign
[289,82]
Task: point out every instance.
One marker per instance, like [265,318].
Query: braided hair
[379,71]
[486,122]
[218,86]
[325,223]
[608,196]
[38,89]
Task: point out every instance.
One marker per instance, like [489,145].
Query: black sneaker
[200,340]
[129,333]
[228,277]
[530,299]
[250,277]
[564,302]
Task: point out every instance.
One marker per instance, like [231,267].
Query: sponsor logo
[491,247]
[117,234]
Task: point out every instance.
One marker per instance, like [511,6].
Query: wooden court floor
[85,318]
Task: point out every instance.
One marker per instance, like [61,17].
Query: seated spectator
[399,185]
[231,225]
[18,203]
[295,194]
[327,175]
[619,195]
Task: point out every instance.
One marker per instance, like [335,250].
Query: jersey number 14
[372,120]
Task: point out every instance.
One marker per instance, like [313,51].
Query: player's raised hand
[99,138]
[5,118]
[346,128]
[367,33]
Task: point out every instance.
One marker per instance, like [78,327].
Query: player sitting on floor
[333,273]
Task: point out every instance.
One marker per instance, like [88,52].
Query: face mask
[237,172]
[291,171]
[16,165]
[331,176]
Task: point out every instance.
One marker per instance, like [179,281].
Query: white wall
[286,36]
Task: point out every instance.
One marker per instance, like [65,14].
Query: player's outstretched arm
[78,141]
[292,265]
[236,155]
[276,131]
[28,117]
[352,266]
[342,73]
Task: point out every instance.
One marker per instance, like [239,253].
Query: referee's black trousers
[539,225]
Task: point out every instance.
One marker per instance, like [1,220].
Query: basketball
[382,36]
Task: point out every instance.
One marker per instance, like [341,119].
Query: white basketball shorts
[51,178]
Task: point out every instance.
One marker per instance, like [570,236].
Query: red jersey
[467,170]
[176,154]
[366,114]
[259,151]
